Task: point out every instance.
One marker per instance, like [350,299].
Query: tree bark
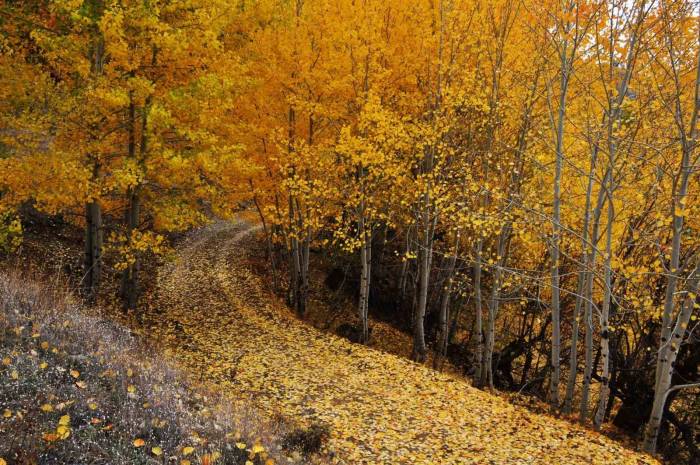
[670,353]
[443,330]
[365,274]
[478,323]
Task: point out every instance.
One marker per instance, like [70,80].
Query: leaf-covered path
[218,320]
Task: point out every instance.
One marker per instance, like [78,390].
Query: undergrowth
[77,388]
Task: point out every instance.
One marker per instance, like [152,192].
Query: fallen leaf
[63,431]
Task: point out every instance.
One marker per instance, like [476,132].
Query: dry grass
[77,388]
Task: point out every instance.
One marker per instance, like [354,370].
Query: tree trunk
[93,209]
[443,330]
[93,249]
[668,360]
[419,349]
[478,323]
[556,231]
[581,288]
[588,305]
[131,215]
[130,274]
[671,338]
[605,315]
[366,262]
[268,239]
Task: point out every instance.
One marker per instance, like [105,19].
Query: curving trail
[220,323]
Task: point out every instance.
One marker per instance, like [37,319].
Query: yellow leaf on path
[131,388]
[64,420]
[187,450]
[6,361]
[75,373]
[138,442]
[2,461]
[14,374]
[81,384]
[157,451]
[185,462]
[44,345]
[241,445]
[92,406]
[248,462]
[43,365]
[46,408]
[7,413]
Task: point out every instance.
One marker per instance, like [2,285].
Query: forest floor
[220,322]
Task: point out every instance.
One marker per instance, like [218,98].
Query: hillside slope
[215,316]
[76,388]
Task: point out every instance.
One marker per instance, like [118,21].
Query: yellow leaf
[6,361]
[14,374]
[157,451]
[92,406]
[241,445]
[75,373]
[43,365]
[131,388]
[258,448]
[2,461]
[187,450]
[138,442]
[185,462]
[64,420]
[7,413]
[44,345]
[81,384]
[63,431]
[46,408]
